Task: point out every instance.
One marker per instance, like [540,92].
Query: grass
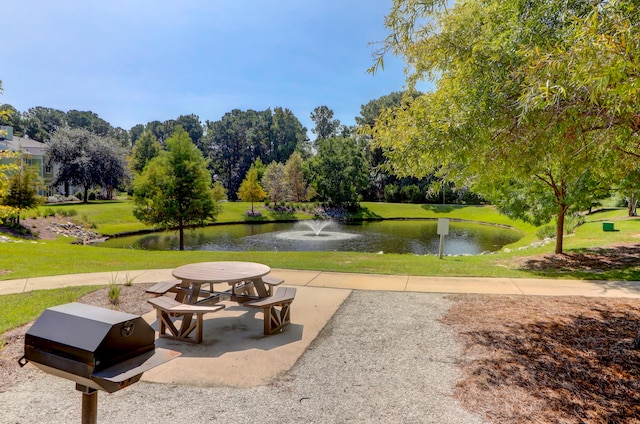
[18,309]
[33,259]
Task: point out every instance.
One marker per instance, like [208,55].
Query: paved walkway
[337,280]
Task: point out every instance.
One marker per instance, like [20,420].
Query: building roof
[35,148]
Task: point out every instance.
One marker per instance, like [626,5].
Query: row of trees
[231,145]
[535,104]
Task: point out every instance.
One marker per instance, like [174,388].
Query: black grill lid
[95,347]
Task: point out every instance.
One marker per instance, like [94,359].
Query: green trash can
[607,226]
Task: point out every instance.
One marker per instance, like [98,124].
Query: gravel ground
[383,358]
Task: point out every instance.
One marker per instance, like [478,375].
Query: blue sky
[134,61]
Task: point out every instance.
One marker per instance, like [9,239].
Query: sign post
[443,230]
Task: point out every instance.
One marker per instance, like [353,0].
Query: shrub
[114,293]
[546,231]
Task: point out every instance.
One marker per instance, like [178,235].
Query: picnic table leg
[192,298]
[260,287]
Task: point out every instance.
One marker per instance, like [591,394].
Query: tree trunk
[560,229]
[181,231]
[632,203]
[86,194]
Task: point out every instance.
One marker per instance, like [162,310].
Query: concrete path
[337,280]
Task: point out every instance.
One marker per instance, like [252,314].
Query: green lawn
[31,259]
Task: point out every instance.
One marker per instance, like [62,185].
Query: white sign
[443,226]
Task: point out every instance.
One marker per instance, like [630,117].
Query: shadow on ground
[610,263]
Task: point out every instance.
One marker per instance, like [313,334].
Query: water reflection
[416,237]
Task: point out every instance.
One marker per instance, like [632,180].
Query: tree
[174,189]
[86,159]
[274,182]
[10,116]
[192,125]
[326,126]
[250,189]
[8,165]
[219,193]
[510,114]
[22,192]
[340,171]
[146,148]
[42,122]
[135,133]
[89,121]
[294,178]
[236,141]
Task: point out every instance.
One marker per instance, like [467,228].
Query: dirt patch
[132,299]
[548,360]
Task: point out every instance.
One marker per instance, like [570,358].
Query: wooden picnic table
[234,273]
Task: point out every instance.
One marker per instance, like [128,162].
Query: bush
[412,194]
[390,193]
[546,231]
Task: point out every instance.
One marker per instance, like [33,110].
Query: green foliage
[114,293]
[240,138]
[86,159]
[219,192]
[22,191]
[509,116]
[174,190]
[325,125]
[274,182]
[146,148]
[250,189]
[339,172]
[297,188]
[412,194]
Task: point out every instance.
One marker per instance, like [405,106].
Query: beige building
[34,153]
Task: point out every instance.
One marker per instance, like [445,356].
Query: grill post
[89,404]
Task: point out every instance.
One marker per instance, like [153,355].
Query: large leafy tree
[86,159]
[174,190]
[512,113]
[339,171]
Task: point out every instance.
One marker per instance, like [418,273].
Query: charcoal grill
[97,348]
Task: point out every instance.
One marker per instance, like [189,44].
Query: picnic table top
[221,272]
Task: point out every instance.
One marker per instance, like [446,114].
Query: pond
[391,236]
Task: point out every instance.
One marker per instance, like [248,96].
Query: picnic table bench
[164,287]
[167,307]
[274,319]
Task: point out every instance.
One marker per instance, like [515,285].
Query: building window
[47,169]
